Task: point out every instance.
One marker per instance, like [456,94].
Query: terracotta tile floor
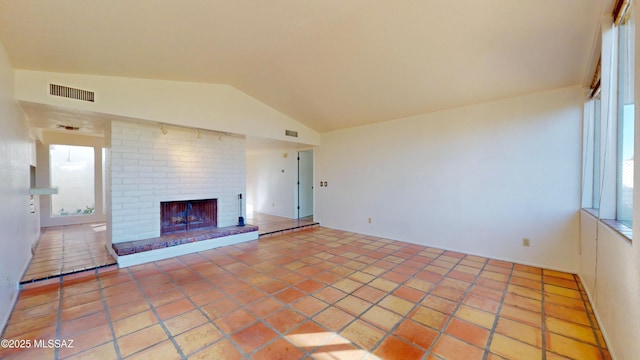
[274,225]
[71,248]
[317,294]
[67,249]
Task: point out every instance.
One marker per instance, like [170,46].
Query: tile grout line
[398,285]
[56,352]
[108,315]
[329,285]
[492,331]
[451,316]
[287,305]
[508,282]
[306,353]
[359,316]
[417,304]
[355,317]
[587,306]
[225,335]
[543,314]
[155,313]
[244,307]
[68,240]
[172,275]
[597,345]
[240,305]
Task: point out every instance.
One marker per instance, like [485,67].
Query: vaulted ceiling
[329,64]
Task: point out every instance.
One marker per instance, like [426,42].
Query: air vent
[71,93]
[291,133]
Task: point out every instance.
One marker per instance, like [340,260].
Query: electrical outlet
[369,220]
[526,242]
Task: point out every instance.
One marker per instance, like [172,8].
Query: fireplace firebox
[181,216]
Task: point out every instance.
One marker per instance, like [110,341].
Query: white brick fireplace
[149,167]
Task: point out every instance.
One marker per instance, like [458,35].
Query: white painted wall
[271,179]
[44,179]
[148,167]
[610,271]
[610,264]
[617,293]
[476,179]
[19,228]
[588,249]
[206,106]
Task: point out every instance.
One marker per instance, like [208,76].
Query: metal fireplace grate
[179,216]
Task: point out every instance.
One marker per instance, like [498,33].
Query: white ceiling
[329,64]
[55,119]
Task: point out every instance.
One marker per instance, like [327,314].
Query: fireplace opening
[181,216]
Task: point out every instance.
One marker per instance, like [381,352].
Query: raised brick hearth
[164,241]
[131,253]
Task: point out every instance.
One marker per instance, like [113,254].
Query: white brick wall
[148,167]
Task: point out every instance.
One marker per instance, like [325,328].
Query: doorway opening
[73,171]
[305,185]
[73,222]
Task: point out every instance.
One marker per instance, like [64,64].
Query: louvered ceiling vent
[291,133]
[71,93]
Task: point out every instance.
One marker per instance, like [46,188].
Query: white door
[305,183]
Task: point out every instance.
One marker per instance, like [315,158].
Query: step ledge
[143,251]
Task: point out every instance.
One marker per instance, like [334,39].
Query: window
[597,126]
[625,120]
[609,126]
[591,161]
[72,171]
